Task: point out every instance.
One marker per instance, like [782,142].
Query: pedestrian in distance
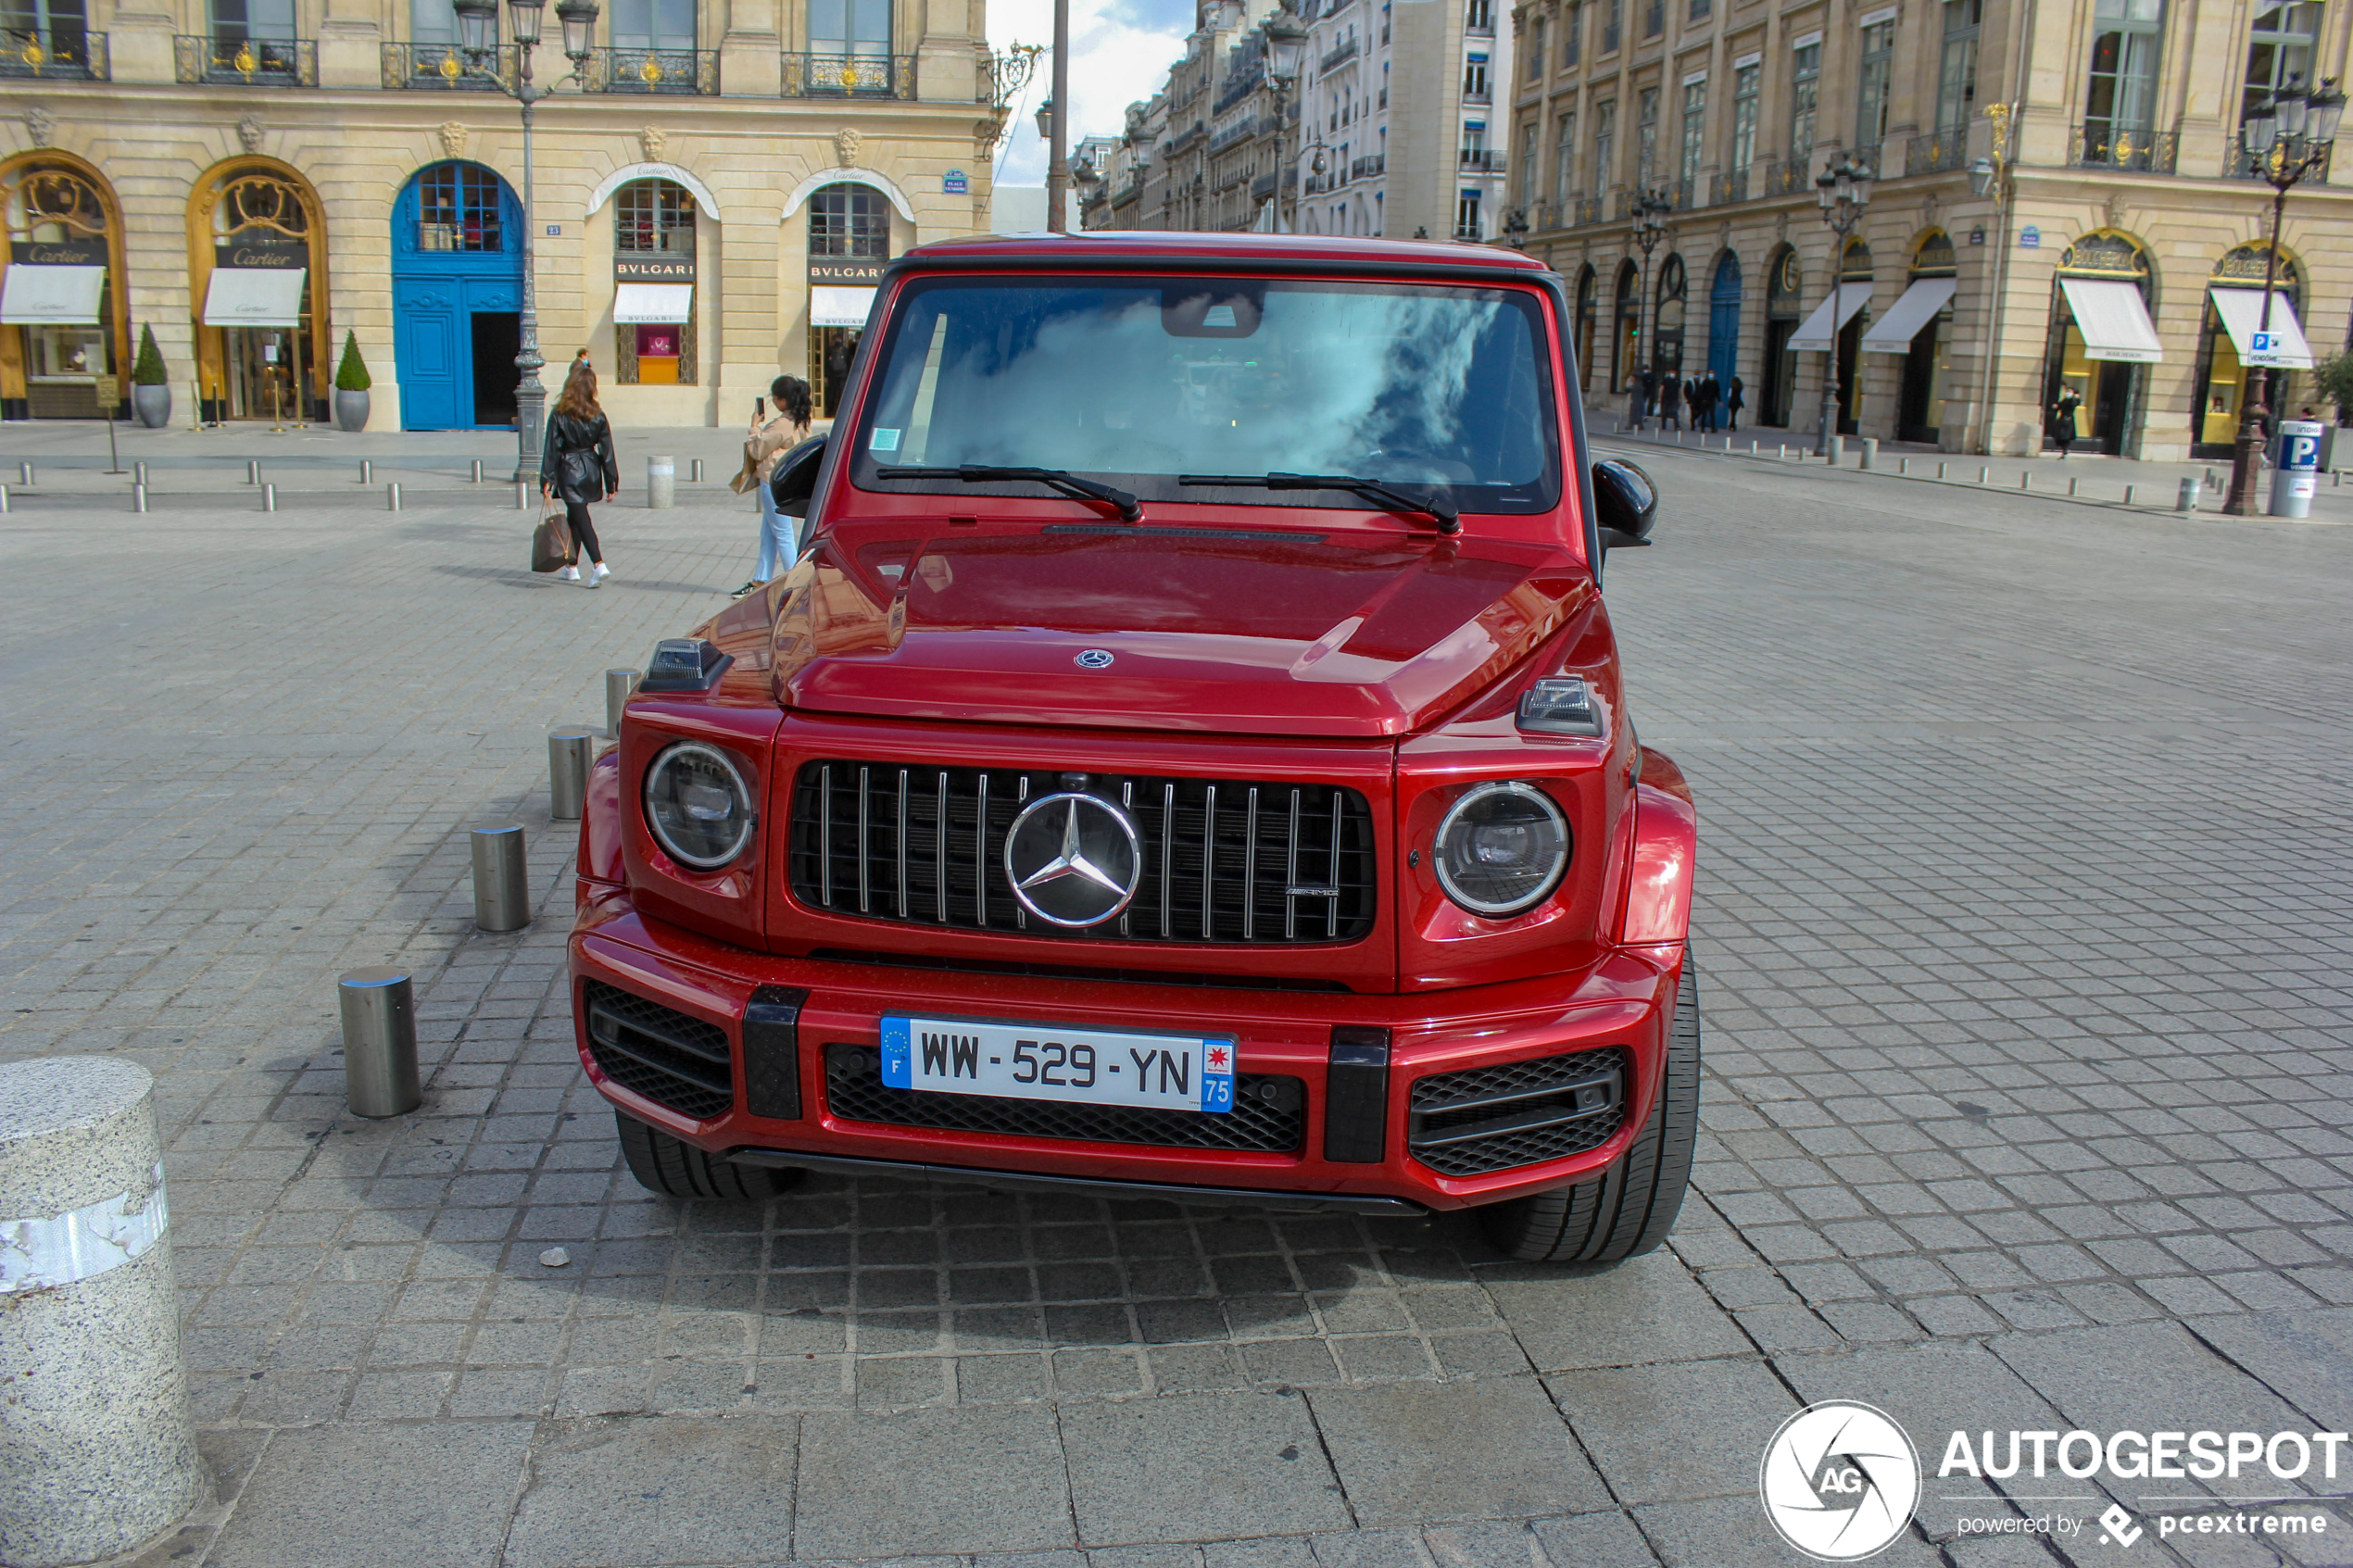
[773,432]
[1710,396]
[1691,399]
[1670,403]
[1733,404]
[1633,400]
[2063,419]
[577,465]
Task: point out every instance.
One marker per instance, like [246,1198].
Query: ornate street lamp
[1285,55]
[2287,137]
[1516,228]
[1844,189]
[1046,120]
[1650,210]
[478,42]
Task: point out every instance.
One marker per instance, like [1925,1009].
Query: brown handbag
[551,546]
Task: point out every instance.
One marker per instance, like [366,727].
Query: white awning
[2242,311]
[1820,327]
[653,304]
[836,306]
[1893,333]
[2113,318]
[52,296]
[254,296]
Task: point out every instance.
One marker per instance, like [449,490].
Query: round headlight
[1502,849]
[697,806]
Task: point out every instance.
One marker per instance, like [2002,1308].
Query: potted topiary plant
[150,386]
[351,387]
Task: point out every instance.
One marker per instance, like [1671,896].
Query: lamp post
[1053,125]
[1286,53]
[2287,139]
[478,42]
[1844,189]
[1651,208]
[1516,228]
[1987,176]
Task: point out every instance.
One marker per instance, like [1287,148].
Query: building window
[1957,75]
[1565,163]
[2122,100]
[1645,135]
[1654,18]
[1474,79]
[1572,27]
[1467,215]
[1747,83]
[1604,143]
[848,221]
[1871,109]
[1536,50]
[1694,122]
[1804,98]
[1613,24]
[1474,153]
[1524,177]
[2280,49]
[654,215]
[845,27]
[430,21]
[458,209]
[654,218]
[1482,16]
[652,24]
[1702,10]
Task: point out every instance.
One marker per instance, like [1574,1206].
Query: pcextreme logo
[1840,1481]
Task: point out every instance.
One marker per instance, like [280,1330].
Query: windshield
[1136,382]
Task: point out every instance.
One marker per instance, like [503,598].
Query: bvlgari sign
[275,256]
[58,253]
[653,268]
[850,272]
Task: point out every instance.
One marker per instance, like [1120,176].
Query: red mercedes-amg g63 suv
[1189,760]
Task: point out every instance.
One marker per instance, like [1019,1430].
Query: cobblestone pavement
[2023,924]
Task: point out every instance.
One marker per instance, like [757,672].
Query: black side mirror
[1625,503]
[796,477]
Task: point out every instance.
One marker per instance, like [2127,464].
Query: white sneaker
[595,580]
[569,574]
[603,571]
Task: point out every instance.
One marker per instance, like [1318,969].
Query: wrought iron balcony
[1263,186]
[2241,165]
[2104,145]
[1188,136]
[1338,55]
[1784,178]
[849,76]
[1241,130]
[1679,194]
[442,67]
[244,62]
[1477,96]
[1482,161]
[1367,166]
[1584,212]
[667,71]
[1939,154]
[1727,187]
[53,54]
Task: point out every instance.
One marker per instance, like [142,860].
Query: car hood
[1262,631]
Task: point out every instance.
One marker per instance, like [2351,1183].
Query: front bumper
[1624,1001]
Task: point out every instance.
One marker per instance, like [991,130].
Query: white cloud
[1120,51]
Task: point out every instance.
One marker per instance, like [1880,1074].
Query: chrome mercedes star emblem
[1074,860]
[1094,658]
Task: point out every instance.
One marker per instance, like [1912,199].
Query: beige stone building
[713,196]
[2119,251]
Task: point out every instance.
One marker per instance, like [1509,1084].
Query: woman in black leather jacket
[577,465]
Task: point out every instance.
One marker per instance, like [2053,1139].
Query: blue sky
[1120,51]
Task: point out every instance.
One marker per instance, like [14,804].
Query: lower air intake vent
[674,1061]
[1487,1119]
[1270,1113]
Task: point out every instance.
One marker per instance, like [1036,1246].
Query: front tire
[1630,1209]
[675,1167]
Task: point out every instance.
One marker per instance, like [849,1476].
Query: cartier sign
[58,253]
[653,269]
[272,255]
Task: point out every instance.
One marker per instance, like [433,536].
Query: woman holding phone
[770,436]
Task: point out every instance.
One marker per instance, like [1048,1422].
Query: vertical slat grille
[929,842]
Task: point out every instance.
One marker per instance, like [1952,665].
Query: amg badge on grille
[1074,860]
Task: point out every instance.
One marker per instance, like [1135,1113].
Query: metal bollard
[138,473]
[269,497]
[1940,471]
[695,474]
[502,888]
[138,497]
[2128,494]
[253,470]
[1903,467]
[2024,478]
[661,482]
[367,472]
[392,496]
[568,754]
[99,1449]
[2187,499]
[1871,453]
[2071,485]
[618,684]
[1835,450]
[24,474]
[478,470]
[1985,475]
[1781,452]
[378,1043]
[523,497]
[4,498]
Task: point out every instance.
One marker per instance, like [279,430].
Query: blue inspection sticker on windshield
[884,441]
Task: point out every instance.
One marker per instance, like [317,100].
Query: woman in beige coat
[770,436]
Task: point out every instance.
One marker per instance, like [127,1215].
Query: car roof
[1125,248]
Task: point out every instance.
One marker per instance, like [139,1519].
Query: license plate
[1060,1061]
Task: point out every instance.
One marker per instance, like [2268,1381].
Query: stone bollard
[661,482]
[2188,499]
[1871,453]
[378,1043]
[618,684]
[502,886]
[1835,450]
[569,752]
[99,1448]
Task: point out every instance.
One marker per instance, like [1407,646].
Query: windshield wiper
[1130,510]
[1388,496]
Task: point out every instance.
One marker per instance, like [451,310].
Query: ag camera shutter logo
[1840,1481]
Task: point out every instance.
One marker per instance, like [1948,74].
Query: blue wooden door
[1724,320]
[457,251]
[436,389]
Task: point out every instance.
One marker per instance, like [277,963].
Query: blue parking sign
[2259,343]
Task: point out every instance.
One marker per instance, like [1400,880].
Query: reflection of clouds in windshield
[1352,382]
